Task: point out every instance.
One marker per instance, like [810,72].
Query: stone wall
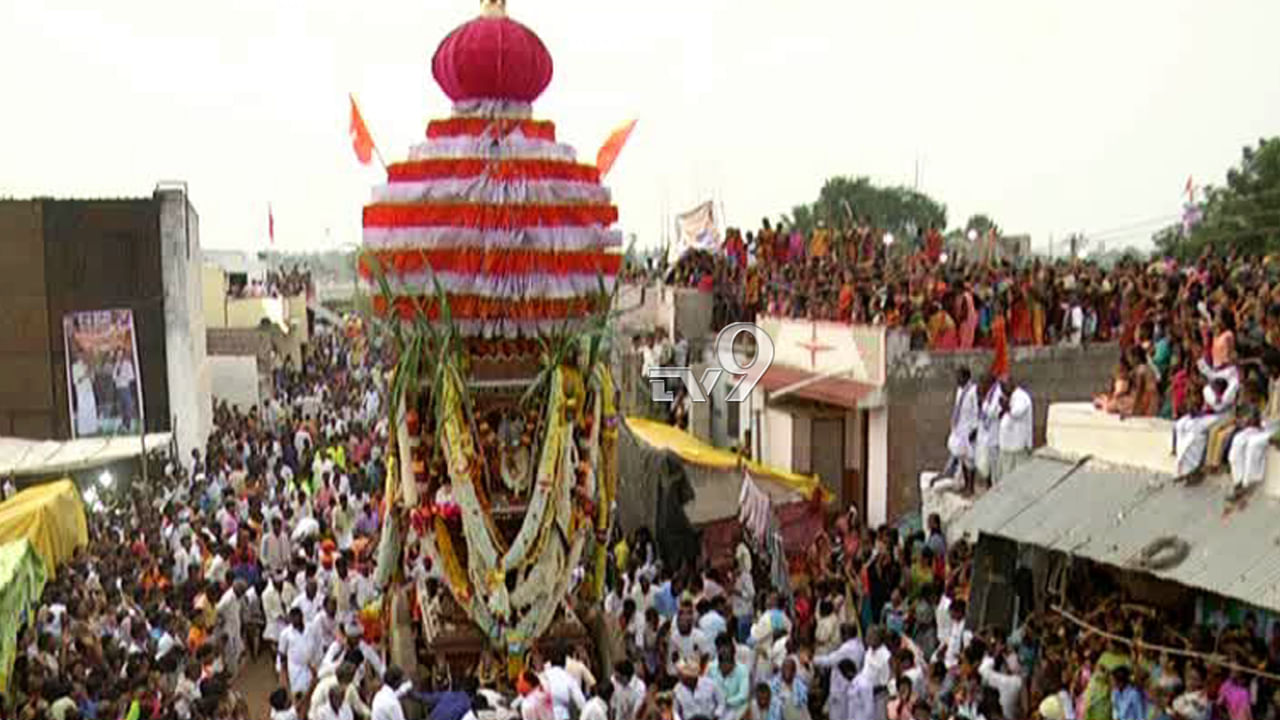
[921,395]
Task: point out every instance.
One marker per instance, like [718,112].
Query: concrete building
[248,334]
[65,256]
[1101,500]
[854,405]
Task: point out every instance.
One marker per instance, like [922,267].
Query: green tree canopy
[1241,216]
[845,200]
[982,224]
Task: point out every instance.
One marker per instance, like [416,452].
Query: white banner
[696,229]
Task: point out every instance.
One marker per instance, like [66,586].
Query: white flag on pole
[696,229]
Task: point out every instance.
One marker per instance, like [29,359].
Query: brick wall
[921,394]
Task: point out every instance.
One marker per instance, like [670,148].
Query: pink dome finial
[492,58]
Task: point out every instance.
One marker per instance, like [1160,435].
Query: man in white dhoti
[1248,454]
[964,428]
[1191,432]
[987,446]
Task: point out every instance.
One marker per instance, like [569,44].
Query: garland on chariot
[492,264]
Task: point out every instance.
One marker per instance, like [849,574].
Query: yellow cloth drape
[51,516]
[692,450]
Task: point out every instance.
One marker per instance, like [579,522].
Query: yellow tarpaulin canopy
[51,516]
[694,451]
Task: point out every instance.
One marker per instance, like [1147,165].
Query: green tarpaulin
[22,577]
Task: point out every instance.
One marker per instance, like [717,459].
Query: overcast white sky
[1050,116]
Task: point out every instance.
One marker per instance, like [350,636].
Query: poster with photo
[104,386]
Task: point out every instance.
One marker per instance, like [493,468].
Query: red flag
[271,224]
[612,147]
[361,140]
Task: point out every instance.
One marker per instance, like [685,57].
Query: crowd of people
[977,299]
[1200,342]
[261,549]
[1201,346]
[285,282]
[877,629]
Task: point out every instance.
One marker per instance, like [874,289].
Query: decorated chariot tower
[490,256]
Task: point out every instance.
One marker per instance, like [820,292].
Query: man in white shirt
[323,626]
[565,692]
[697,695]
[952,636]
[229,618]
[276,547]
[1073,332]
[688,644]
[987,446]
[644,593]
[310,601]
[354,642]
[1007,685]
[628,692]
[182,560]
[1016,425]
[964,428]
[338,681]
[852,696]
[386,703]
[1191,432]
[296,655]
[335,706]
[852,649]
[877,671]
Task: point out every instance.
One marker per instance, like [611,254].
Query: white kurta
[964,421]
[1191,433]
[299,655]
[987,448]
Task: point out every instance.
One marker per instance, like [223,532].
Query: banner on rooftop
[696,229]
[104,394]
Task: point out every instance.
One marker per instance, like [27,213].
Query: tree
[981,224]
[843,201]
[1242,216]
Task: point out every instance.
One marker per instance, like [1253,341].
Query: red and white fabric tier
[504,218]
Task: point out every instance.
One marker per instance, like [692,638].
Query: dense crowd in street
[261,549]
[285,282]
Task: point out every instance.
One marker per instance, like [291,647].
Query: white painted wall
[877,466]
[852,440]
[235,379]
[778,438]
[190,385]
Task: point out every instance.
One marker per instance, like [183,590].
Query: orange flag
[612,147]
[361,140]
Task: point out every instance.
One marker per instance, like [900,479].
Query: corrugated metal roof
[1109,514]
